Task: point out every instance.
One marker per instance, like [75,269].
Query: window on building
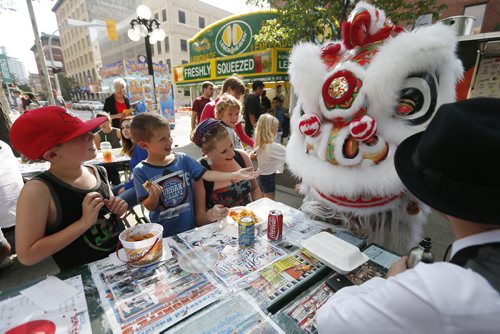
[187,92]
[161,61]
[167,45]
[423,20]
[182,17]
[169,64]
[184,45]
[478,12]
[157,16]
[164,15]
[152,50]
[184,62]
[158,44]
[201,22]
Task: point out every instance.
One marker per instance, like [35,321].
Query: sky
[17,33]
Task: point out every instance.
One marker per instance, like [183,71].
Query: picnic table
[31,168]
[272,287]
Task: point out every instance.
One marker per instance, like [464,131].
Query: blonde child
[270,155]
[107,133]
[227,110]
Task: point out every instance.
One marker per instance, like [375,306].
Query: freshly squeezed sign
[198,71]
[252,64]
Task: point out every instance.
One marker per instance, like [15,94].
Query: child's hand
[154,190]
[116,205]
[92,203]
[245,174]
[218,212]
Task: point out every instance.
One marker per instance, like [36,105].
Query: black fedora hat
[453,166]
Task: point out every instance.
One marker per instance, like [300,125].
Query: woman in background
[116,103]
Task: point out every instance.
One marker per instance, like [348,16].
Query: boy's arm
[242,174]
[32,246]
[154,191]
[146,191]
[243,136]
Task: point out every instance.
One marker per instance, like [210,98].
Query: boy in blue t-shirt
[164,181]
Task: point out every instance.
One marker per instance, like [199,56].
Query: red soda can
[275,225]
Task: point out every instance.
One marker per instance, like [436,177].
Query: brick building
[486,12]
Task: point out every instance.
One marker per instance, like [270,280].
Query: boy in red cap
[65,211]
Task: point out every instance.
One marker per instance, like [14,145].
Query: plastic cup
[107,153]
[144,251]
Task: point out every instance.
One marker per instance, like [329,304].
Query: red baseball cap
[37,131]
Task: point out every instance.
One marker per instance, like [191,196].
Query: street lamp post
[144,26]
[51,55]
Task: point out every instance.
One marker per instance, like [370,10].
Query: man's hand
[92,203]
[245,174]
[397,267]
[218,212]
[116,205]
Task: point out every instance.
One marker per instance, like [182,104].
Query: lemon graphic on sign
[232,35]
[233,38]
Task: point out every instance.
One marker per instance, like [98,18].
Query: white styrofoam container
[336,253]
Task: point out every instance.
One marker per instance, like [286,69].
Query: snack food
[236,214]
[140,237]
[147,184]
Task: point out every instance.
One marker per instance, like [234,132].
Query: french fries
[237,214]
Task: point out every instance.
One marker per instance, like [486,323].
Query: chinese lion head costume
[358,98]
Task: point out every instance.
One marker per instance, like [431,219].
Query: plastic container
[146,251]
[107,152]
[336,253]
[462,24]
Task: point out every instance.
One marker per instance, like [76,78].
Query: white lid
[336,253]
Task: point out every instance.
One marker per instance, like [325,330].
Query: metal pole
[51,55]
[39,49]
[151,72]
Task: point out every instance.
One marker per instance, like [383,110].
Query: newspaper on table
[234,263]
[238,314]
[21,315]
[301,313]
[284,277]
[151,298]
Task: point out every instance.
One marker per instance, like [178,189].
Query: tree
[66,84]
[319,20]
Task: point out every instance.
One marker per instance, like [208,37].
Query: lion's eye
[302,112]
[418,97]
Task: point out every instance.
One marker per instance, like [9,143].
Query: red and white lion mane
[358,98]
